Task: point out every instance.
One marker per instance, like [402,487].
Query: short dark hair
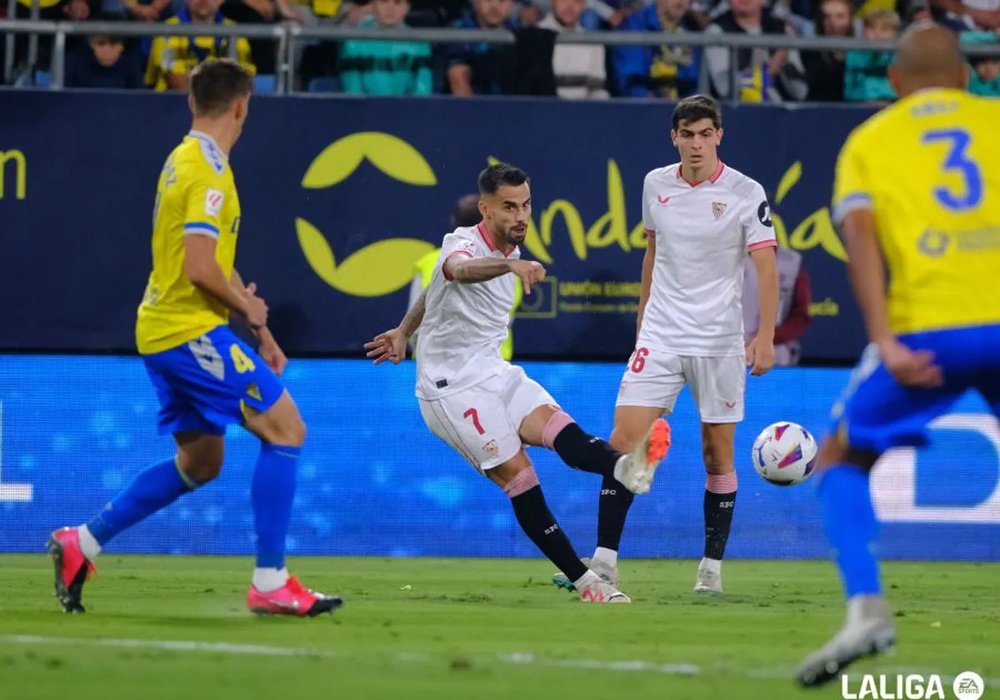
[696,107]
[499,175]
[216,83]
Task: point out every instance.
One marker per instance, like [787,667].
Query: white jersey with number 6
[703,232]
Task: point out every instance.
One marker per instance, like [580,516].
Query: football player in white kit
[488,409]
[701,219]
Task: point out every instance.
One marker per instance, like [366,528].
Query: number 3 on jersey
[957,160]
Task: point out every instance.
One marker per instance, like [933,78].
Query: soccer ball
[784,454]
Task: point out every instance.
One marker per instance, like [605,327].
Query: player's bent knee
[555,425]
[523,481]
[204,469]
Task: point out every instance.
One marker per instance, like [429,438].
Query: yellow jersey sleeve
[205,198]
[851,186]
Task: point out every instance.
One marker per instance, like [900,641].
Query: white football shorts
[482,422]
[654,378]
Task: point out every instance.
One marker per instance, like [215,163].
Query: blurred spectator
[435,13]
[579,68]
[866,72]
[103,63]
[481,68]
[984,78]
[971,14]
[386,67]
[794,297]
[797,14]
[173,57]
[764,75]
[658,71]
[825,69]
[54,10]
[144,11]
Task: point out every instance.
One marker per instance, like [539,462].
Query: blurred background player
[487,409]
[917,191]
[794,297]
[205,377]
[701,219]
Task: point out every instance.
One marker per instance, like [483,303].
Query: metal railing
[288,36]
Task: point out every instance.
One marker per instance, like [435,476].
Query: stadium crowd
[535,64]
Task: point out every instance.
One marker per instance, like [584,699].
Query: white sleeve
[647,214]
[457,244]
[758,230]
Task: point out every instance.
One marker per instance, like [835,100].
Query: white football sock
[90,546]
[714,565]
[269,579]
[606,556]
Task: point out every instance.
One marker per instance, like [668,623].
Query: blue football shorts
[877,413]
[207,383]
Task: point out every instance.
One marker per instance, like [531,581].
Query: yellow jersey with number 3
[196,196]
[927,168]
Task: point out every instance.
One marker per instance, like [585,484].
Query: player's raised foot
[869,630]
[291,599]
[709,579]
[72,568]
[605,571]
[635,471]
[597,590]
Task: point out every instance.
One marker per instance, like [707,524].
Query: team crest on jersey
[213,202]
[491,449]
[718,209]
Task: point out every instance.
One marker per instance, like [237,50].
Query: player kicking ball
[488,409]
[205,377]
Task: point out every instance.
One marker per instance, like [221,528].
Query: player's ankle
[588,578]
[267,579]
[608,557]
[88,543]
[714,565]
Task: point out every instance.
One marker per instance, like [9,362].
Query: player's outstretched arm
[202,269]
[391,345]
[866,268]
[471,270]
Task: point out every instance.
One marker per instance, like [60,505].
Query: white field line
[516,659]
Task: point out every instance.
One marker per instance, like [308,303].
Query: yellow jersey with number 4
[196,196]
[926,167]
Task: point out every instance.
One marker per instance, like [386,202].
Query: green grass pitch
[177,627]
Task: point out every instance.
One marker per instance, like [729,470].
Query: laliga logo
[968,685]
[392,257]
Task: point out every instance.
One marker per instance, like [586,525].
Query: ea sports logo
[381,267]
[968,685]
